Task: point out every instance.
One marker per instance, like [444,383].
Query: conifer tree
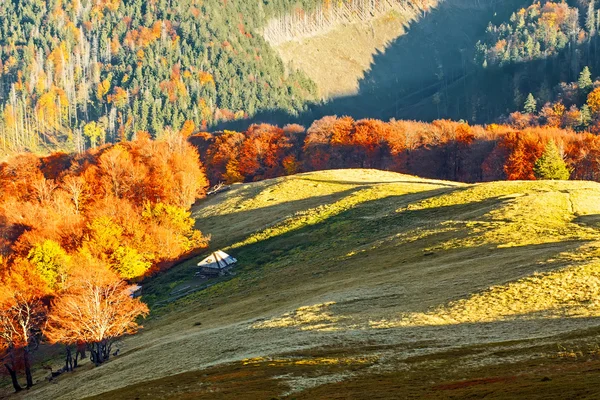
[530,106]
[585,79]
[590,21]
[551,166]
[586,116]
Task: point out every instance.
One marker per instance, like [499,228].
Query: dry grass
[307,318]
[572,292]
[532,213]
[337,60]
[464,277]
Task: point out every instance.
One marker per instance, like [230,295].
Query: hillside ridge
[379,268]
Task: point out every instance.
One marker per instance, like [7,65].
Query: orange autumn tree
[263,151]
[22,315]
[367,139]
[524,148]
[316,149]
[222,157]
[96,309]
[121,209]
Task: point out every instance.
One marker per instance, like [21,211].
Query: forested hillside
[79,74]
[464,59]
[525,47]
[128,65]
[543,50]
[536,32]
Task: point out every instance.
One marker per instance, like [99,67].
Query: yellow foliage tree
[206,78]
[59,57]
[93,131]
[9,116]
[232,172]
[105,236]
[102,88]
[593,101]
[172,229]
[51,262]
[51,106]
[129,263]
[188,128]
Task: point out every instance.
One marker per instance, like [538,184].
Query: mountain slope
[130,66]
[361,276]
[335,44]
[338,60]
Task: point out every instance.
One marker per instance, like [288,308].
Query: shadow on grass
[226,230]
[415,182]
[592,220]
[310,253]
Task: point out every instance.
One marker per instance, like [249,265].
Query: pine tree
[585,79]
[551,165]
[590,22]
[530,106]
[586,116]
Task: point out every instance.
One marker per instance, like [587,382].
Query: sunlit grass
[500,214]
[247,197]
[252,212]
[313,216]
[573,291]
[306,318]
[278,361]
[520,213]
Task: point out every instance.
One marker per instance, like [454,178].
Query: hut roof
[217,260]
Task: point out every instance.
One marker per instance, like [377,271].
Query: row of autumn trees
[76,230]
[576,106]
[441,149]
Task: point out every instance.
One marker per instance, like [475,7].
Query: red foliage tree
[262,152]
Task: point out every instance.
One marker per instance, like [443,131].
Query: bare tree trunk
[97,353]
[68,359]
[27,363]
[13,378]
[94,354]
[79,351]
[81,347]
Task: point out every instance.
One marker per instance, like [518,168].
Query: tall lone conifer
[585,80]
[530,106]
[551,166]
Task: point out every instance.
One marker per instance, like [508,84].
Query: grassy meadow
[363,283]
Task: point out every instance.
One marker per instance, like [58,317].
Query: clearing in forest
[335,45]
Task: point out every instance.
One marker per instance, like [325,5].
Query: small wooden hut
[218,263]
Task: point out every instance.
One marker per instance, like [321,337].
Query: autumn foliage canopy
[442,149]
[74,229]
